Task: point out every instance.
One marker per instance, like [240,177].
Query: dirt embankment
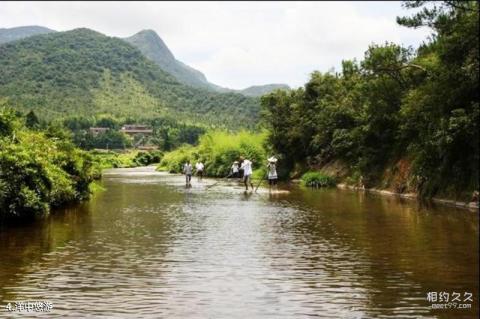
[396,180]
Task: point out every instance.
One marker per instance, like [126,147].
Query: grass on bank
[317,179]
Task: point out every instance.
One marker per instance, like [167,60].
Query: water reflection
[149,247]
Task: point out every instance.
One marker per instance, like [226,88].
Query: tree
[31,120]
[442,113]
[397,104]
[112,140]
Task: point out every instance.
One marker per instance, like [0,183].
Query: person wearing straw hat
[247,172]
[199,168]
[272,172]
[235,169]
[187,170]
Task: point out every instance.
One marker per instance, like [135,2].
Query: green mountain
[259,90]
[17,33]
[83,72]
[153,47]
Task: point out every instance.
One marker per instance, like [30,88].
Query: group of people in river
[243,168]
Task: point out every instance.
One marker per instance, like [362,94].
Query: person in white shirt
[247,172]
[187,170]
[272,172]
[199,167]
[235,169]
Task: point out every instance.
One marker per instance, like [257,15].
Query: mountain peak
[258,90]
[149,32]
[86,31]
[17,33]
[152,45]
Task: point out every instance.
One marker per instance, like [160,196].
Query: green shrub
[317,179]
[260,172]
[173,161]
[112,159]
[220,149]
[38,171]
[147,158]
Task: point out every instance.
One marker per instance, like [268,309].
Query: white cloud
[236,44]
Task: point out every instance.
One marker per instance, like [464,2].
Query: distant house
[98,130]
[136,129]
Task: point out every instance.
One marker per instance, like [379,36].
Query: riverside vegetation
[39,169]
[400,119]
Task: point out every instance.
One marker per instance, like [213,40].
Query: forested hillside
[17,33]
[82,72]
[398,119]
[155,49]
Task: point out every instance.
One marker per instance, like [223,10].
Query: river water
[149,247]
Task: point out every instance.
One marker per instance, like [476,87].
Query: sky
[237,44]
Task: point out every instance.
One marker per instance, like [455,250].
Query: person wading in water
[235,169]
[187,170]
[247,172]
[199,167]
[272,173]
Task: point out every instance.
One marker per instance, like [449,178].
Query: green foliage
[111,140]
[31,120]
[8,120]
[114,159]
[105,121]
[38,170]
[96,187]
[147,158]
[441,114]
[173,161]
[394,104]
[218,150]
[317,179]
[168,133]
[85,73]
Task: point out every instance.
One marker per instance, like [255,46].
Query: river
[149,247]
